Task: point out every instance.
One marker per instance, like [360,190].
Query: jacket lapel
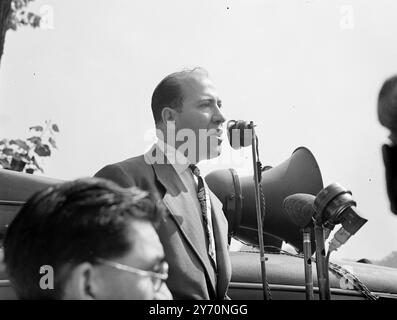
[185,213]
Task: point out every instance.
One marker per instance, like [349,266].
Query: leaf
[55,127]
[17,165]
[30,170]
[8,151]
[17,4]
[52,142]
[4,163]
[35,21]
[16,157]
[12,23]
[37,164]
[43,150]
[25,158]
[35,140]
[37,128]
[20,143]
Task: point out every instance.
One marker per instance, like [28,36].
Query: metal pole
[322,269]
[307,252]
[259,215]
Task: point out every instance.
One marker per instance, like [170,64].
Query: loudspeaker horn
[298,174]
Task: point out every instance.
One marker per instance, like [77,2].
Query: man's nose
[163,293]
[218,117]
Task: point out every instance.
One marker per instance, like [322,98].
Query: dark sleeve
[116,174]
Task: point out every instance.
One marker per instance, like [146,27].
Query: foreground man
[387,113]
[186,111]
[87,239]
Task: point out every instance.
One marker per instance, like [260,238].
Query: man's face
[201,114]
[148,255]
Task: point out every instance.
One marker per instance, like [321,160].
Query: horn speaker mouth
[298,174]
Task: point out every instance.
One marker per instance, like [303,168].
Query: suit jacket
[181,232]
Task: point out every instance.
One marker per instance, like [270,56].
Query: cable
[334,268]
[263,206]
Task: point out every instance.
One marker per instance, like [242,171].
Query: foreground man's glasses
[157,277]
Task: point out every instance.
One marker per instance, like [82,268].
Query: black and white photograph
[211,150]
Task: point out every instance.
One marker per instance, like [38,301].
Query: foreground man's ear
[83,283]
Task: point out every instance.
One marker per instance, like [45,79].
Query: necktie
[202,198]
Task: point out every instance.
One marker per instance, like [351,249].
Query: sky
[306,72]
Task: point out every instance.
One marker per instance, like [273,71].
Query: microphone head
[299,208]
[239,133]
[335,205]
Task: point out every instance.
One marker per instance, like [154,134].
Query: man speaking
[186,110]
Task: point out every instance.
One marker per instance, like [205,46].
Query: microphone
[336,206]
[239,133]
[299,208]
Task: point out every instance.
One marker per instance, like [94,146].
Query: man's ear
[83,283]
[168,114]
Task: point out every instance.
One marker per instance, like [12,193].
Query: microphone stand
[257,179]
[307,253]
[321,264]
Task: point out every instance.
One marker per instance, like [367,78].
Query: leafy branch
[13,14]
[23,155]
[21,17]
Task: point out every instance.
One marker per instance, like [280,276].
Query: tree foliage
[20,16]
[23,154]
[13,14]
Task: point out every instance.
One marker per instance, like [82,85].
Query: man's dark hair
[387,104]
[168,92]
[68,224]
[387,114]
